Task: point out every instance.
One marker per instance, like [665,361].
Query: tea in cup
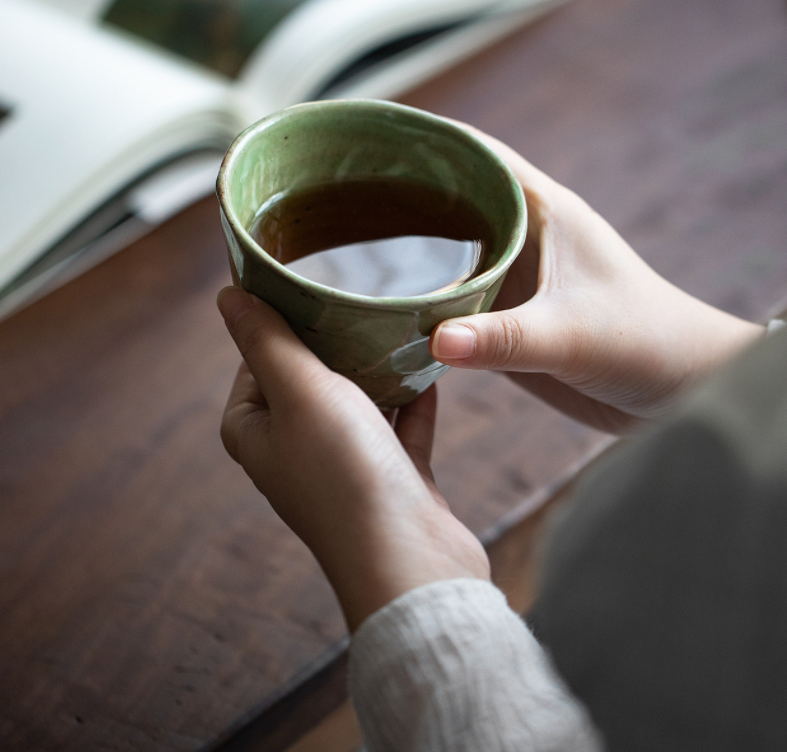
[365,224]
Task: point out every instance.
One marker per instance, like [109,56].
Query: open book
[114,114]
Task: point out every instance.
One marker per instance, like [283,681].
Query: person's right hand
[583,322]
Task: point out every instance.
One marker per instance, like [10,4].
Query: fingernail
[453,342]
[232,302]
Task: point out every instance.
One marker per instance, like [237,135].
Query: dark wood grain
[150,599]
[140,568]
[312,694]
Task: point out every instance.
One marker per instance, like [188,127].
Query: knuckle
[244,435]
[229,437]
[509,341]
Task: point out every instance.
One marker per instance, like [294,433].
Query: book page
[89,114]
[87,10]
[219,34]
[324,48]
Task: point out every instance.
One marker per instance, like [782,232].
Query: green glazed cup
[382,344]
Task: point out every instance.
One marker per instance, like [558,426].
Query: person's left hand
[359,493]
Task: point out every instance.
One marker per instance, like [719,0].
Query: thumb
[517,339]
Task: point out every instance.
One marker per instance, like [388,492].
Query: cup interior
[322,142]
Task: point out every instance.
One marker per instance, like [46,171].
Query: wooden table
[149,598]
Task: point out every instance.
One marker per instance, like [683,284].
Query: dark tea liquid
[380,237]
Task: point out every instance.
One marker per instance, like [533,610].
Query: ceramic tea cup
[380,343]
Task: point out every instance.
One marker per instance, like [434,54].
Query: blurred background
[117,113]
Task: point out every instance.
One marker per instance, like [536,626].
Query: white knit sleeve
[449,667]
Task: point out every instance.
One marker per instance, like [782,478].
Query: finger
[245,390]
[390,415]
[245,399]
[415,424]
[283,367]
[528,338]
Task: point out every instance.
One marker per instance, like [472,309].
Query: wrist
[380,559]
[696,339]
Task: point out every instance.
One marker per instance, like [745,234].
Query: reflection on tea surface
[376,237]
[394,267]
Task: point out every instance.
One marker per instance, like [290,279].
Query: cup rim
[471,286]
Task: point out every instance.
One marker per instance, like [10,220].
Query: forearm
[450,667]
[372,561]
